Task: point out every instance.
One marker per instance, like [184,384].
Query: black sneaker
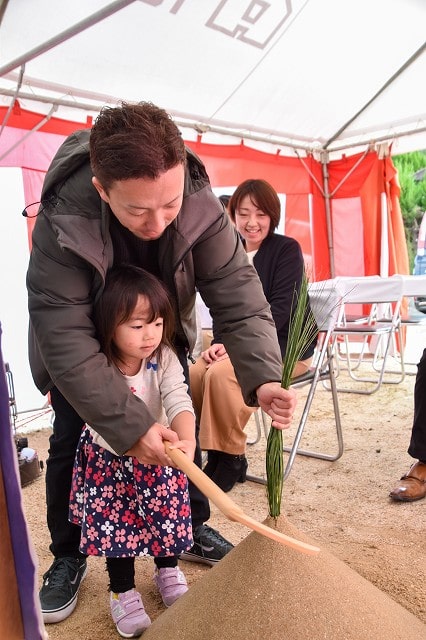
[58,595]
[209,546]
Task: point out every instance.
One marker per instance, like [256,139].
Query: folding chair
[325,302]
[382,321]
[13,410]
[413,286]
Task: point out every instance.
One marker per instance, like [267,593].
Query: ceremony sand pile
[264,589]
[368,581]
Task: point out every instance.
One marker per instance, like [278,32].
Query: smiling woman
[255,210]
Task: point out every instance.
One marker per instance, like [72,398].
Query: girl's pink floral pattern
[125,508]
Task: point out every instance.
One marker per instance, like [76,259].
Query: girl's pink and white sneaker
[171,584]
[129,614]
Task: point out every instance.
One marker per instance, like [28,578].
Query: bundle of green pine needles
[302,331]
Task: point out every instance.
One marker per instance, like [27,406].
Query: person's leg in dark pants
[412,486]
[417,448]
[61,583]
[63,443]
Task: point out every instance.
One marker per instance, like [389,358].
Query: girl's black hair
[118,300]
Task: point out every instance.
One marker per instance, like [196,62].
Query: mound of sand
[342,505]
[265,589]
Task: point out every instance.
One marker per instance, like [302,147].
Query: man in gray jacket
[128,191]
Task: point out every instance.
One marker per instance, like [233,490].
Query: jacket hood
[71,155]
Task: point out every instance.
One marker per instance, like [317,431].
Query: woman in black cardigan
[222,414]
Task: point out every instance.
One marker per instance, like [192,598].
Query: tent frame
[183,120]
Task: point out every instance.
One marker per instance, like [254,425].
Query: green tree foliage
[413,195]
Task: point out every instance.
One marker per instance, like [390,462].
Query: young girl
[126,508]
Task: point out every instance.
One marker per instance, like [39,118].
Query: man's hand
[278,403]
[149,449]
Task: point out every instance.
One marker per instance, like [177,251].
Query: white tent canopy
[287,75]
[305,74]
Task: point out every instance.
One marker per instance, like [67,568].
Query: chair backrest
[369,289]
[325,298]
[411,285]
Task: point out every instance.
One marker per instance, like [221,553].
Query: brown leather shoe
[412,486]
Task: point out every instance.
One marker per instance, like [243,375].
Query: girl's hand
[187,446]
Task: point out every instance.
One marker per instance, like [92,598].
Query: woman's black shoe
[212,461]
[229,470]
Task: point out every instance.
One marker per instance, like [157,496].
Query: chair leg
[294,449]
[376,366]
[377,381]
[258,435]
[327,357]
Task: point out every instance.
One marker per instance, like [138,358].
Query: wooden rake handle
[228,507]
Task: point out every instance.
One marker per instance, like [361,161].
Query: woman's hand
[214,353]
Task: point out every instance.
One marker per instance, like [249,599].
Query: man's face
[144,206]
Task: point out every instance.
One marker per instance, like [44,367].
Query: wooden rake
[228,507]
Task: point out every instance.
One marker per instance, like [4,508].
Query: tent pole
[388,82]
[12,102]
[30,132]
[65,35]
[327,198]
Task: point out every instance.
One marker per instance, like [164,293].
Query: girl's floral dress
[126,508]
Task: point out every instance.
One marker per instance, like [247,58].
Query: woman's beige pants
[219,405]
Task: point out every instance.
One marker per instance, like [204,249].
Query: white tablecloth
[362,288]
[411,285]
[327,295]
